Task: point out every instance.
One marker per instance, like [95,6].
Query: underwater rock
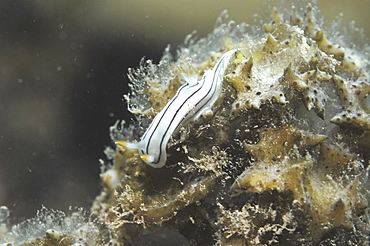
[278,163]
[281,160]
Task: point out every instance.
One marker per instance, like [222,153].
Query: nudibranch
[193,99]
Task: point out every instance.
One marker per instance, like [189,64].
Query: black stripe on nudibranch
[168,120]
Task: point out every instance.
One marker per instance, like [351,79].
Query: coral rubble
[283,160]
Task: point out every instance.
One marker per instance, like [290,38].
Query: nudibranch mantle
[192,100]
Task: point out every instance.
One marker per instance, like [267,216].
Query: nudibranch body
[193,100]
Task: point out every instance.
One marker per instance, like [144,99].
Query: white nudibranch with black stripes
[194,99]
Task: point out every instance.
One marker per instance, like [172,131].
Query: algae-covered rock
[278,163]
[282,159]
[51,227]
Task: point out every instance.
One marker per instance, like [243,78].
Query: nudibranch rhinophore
[193,100]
